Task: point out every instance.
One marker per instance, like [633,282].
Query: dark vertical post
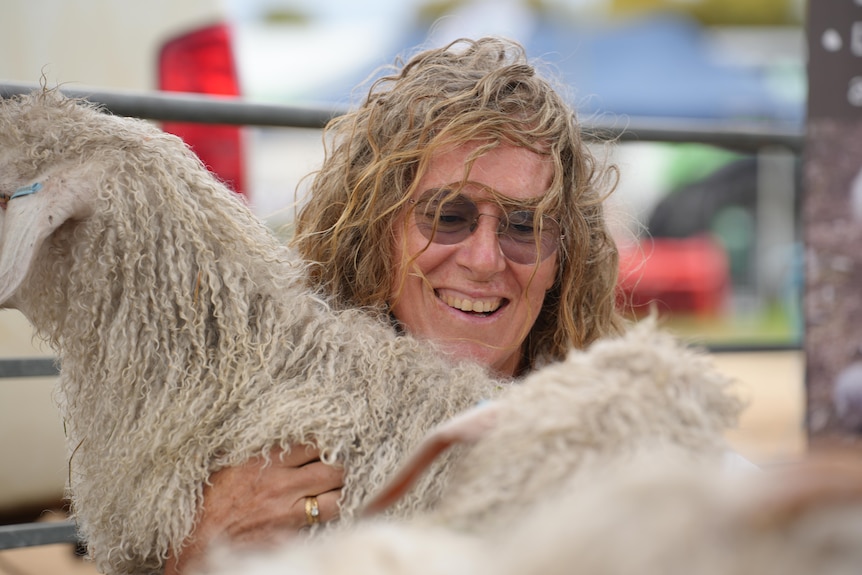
[832,216]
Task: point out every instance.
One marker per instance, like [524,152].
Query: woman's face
[438,286]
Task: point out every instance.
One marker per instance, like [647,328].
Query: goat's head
[39,190]
[66,161]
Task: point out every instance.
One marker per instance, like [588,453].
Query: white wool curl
[637,393]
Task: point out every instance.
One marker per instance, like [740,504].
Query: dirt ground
[772,428]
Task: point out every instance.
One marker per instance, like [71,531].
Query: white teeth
[472,305]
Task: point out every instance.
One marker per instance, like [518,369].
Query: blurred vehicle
[687,275]
[619,59]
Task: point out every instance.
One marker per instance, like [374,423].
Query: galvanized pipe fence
[747,137]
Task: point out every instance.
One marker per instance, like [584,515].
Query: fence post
[832,223]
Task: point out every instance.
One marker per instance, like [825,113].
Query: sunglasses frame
[542,247]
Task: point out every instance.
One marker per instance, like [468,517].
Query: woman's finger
[317,477]
[296,456]
[320,508]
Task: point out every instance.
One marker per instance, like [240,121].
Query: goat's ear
[468,427]
[29,219]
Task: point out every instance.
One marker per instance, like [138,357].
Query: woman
[459,102]
[460,200]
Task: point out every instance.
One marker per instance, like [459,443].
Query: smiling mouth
[479,307]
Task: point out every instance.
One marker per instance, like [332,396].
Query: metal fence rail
[28,367]
[33,534]
[742,136]
[746,137]
[163,106]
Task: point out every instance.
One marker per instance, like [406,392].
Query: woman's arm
[258,503]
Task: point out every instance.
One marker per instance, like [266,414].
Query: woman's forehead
[475,192]
[505,170]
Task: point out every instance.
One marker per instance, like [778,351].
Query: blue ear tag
[26,190]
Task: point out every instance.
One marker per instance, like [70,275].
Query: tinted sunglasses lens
[522,243]
[445,219]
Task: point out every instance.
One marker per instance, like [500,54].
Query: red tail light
[202,62]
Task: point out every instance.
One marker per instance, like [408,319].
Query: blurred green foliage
[720,12]
[708,12]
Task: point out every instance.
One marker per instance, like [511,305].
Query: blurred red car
[679,275]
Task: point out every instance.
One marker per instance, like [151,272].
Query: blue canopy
[657,66]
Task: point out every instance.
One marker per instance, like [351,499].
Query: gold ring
[312,511]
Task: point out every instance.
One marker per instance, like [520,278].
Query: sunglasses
[447,218]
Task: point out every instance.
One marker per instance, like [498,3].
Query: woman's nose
[481,252]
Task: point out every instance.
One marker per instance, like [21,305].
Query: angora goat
[186,338]
[638,393]
[652,515]
[188,342]
[541,451]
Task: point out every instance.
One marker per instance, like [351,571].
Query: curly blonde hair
[470,90]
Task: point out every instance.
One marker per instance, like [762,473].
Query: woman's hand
[257,503]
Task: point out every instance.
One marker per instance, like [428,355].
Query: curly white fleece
[187,339]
